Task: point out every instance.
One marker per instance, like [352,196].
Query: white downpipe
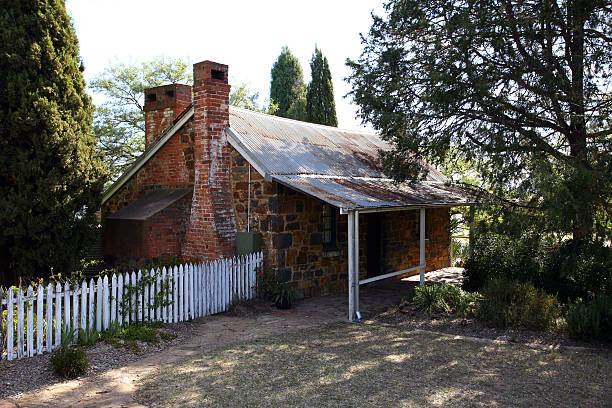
[249,202]
[356,269]
[351,266]
[422,245]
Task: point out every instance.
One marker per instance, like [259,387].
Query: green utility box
[248,242]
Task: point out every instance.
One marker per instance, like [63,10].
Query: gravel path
[31,374]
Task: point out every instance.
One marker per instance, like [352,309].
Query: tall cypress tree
[287,86]
[320,105]
[50,177]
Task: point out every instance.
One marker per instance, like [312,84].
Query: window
[329,228]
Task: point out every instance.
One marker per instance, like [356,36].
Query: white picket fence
[167,295]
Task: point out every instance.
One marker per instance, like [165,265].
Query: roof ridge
[282,119]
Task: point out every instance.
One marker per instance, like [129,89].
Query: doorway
[374,244]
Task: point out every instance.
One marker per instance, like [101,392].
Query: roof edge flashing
[146,155]
[235,142]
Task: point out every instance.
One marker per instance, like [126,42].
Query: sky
[245,35]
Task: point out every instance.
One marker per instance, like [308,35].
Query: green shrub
[592,320]
[578,269]
[141,332]
[569,270]
[445,299]
[69,362]
[67,336]
[512,304]
[495,256]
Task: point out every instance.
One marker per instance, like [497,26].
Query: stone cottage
[316,195]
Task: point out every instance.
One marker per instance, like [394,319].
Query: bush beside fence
[33,318]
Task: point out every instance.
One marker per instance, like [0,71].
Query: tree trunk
[577,15]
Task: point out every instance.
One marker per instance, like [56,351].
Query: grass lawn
[379,366]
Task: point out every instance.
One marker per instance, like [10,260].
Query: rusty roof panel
[358,193]
[286,146]
[337,166]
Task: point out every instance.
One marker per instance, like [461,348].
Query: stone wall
[291,226]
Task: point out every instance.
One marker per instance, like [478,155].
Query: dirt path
[114,388]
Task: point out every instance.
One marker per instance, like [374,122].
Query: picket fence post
[10,351]
[120,299]
[49,310]
[30,322]
[67,305]
[164,297]
[75,311]
[84,305]
[91,300]
[113,300]
[58,315]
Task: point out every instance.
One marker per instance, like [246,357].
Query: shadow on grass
[369,365]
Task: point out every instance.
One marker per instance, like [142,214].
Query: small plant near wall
[69,360]
[284,296]
[268,283]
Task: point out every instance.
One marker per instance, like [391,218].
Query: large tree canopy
[50,176]
[287,88]
[119,121]
[521,89]
[320,104]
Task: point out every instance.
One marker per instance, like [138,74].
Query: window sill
[331,253]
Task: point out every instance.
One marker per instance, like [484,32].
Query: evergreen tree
[287,85]
[519,88]
[50,177]
[320,105]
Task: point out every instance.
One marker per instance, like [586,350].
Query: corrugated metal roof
[285,146]
[360,193]
[341,167]
[337,166]
[150,204]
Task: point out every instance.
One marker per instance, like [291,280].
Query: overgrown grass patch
[380,366]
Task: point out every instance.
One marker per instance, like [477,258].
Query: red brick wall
[172,166]
[130,241]
[212,230]
[162,105]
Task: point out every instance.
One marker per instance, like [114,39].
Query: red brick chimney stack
[212,231]
[162,105]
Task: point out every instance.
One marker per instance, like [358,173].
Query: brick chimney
[162,105]
[212,230]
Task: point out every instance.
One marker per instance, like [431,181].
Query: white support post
[351,265]
[356,268]
[422,245]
